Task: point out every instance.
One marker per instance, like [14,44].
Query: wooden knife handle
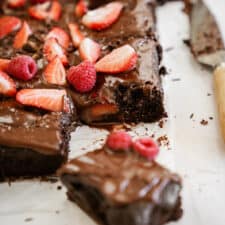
[219,79]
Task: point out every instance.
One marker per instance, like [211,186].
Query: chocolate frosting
[32,130]
[122,177]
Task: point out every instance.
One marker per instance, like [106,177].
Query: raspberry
[119,140]
[22,67]
[82,77]
[146,147]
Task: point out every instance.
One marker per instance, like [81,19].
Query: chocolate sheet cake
[123,188]
[134,97]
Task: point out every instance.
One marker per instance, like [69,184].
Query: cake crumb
[211,118]
[192,115]
[163,140]
[59,187]
[28,219]
[209,94]
[204,122]
[57,211]
[161,123]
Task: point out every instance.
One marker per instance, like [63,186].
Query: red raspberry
[146,147]
[119,140]
[22,67]
[82,77]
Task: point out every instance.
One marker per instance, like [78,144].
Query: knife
[207,46]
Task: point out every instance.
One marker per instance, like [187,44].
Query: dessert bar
[119,186]
[32,142]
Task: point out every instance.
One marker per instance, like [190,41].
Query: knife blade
[205,38]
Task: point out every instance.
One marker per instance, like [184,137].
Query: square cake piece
[32,142]
[122,187]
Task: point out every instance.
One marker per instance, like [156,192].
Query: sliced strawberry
[4,64]
[22,36]
[47,10]
[81,8]
[103,17]
[89,50]
[49,99]
[7,85]
[60,35]
[98,112]
[8,24]
[16,3]
[55,72]
[55,11]
[52,49]
[119,60]
[75,33]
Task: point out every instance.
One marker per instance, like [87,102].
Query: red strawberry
[22,67]
[22,36]
[55,72]
[60,35]
[82,77]
[48,10]
[75,33]
[8,24]
[81,8]
[146,147]
[98,111]
[16,3]
[7,85]
[103,17]
[52,49]
[55,11]
[4,63]
[119,140]
[49,99]
[119,60]
[89,50]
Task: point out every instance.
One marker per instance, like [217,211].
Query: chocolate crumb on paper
[29,219]
[192,115]
[163,141]
[204,122]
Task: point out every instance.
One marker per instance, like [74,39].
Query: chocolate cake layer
[123,188]
[132,97]
[32,142]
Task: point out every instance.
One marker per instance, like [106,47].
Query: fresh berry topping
[22,67]
[52,49]
[81,8]
[49,99]
[82,77]
[89,50]
[16,3]
[119,60]
[4,64]
[8,24]
[22,36]
[38,1]
[47,10]
[146,147]
[98,111]
[55,72]
[119,140]
[60,35]
[55,11]
[7,85]
[75,33]
[102,17]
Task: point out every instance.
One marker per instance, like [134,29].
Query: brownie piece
[206,41]
[123,188]
[32,142]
